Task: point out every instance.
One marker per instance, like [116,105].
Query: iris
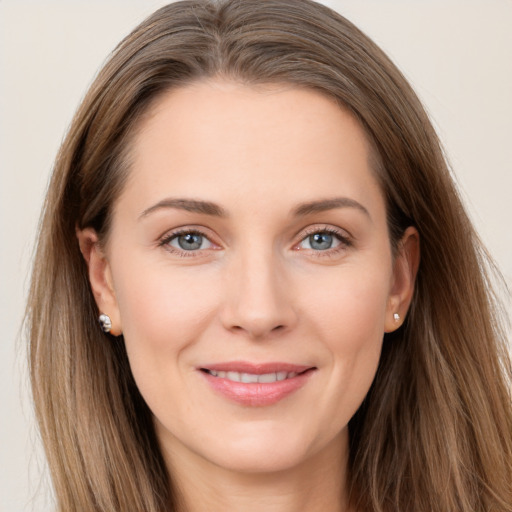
[321,241]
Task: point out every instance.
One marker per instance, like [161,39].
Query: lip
[256,394]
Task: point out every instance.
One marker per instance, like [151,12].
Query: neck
[317,484]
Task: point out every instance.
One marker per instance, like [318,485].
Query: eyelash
[169,237]
[345,242]
[341,236]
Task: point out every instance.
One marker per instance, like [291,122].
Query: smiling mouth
[253,378]
[256,384]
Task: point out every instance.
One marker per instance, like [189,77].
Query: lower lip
[257,394]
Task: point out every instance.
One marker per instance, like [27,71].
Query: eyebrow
[328,204]
[209,208]
[189,205]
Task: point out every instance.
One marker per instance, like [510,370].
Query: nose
[258,301]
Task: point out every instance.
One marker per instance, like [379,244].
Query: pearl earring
[396,317]
[105,322]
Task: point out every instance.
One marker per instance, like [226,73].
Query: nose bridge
[258,300]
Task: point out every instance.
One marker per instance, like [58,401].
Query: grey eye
[320,241]
[189,242]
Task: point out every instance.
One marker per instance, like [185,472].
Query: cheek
[162,313]
[350,304]
[361,326]
[349,320]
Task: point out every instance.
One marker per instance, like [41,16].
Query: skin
[256,290]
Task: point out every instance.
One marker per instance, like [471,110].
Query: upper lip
[256,368]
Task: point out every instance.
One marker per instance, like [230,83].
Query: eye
[326,240]
[320,241]
[188,241]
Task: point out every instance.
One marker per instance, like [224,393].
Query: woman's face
[250,243]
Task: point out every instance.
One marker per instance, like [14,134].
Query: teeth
[234,376]
[267,377]
[251,378]
[248,378]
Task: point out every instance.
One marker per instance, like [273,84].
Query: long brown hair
[435,431]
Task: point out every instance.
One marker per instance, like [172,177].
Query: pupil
[320,241]
[190,241]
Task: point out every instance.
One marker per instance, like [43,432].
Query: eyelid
[345,239]
[342,234]
[177,236]
[168,236]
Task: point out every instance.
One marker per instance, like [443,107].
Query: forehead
[223,140]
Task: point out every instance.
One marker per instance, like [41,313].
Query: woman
[241,202]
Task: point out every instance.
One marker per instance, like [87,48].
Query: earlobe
[100,277]
[405,268]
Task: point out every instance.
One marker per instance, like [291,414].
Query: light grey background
[457,53]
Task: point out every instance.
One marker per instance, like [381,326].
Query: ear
[100,277]
[405,268]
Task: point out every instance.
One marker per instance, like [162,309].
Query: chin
[254,460]
[268,449]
